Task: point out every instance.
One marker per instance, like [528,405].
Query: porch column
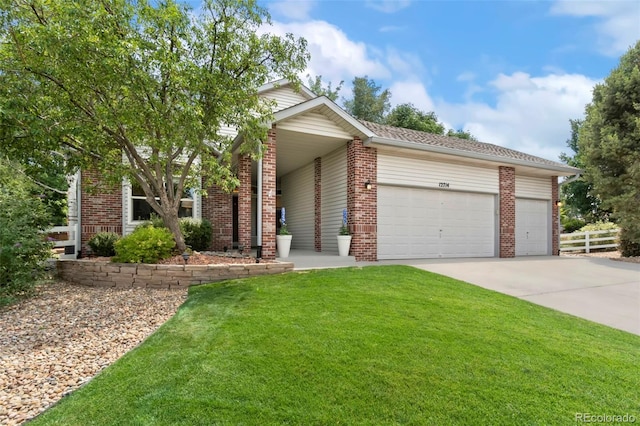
[555,218]
[507,178]
[269,196]
[362,203]
[244,201]
[317,185]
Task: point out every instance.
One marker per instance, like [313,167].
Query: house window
[141,210]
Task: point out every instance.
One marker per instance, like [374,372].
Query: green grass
[377,345]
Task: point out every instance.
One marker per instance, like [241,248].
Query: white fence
[70,245]
[589,240]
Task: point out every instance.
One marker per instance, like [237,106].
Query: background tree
[609,143]
[144,80]
[408,116]
[461,134]
[23,246]
[368,103]
[578,201]
[317,86]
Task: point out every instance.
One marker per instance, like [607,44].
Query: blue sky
[511,72]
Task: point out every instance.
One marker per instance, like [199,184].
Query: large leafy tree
[461,134]
[578,198]
[609,142]
[369,102]
[318,87]
[409,117]
[140,88]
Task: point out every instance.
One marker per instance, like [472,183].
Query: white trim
[284,82]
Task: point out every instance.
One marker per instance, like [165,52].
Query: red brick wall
[217,207]
[269,196]
[555,214]
[317,179]
[100,211]
[362,203]
[507,211]
[244,201]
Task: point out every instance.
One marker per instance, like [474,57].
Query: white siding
[334,197]
[285,97]
[407,171]
[533,187]
[316,124]
[298,199]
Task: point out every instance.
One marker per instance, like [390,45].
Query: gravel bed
[55,342]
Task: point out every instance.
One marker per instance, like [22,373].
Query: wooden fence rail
[589,240]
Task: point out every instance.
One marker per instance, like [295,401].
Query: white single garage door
[425,223]
[532,227]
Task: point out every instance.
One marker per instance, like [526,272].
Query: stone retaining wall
[107,274]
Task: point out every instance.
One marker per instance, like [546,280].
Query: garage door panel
[532,227]
[425,223]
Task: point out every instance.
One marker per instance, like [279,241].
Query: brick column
[217,207]
[507,211]
[362,203]
[269,196]
[101,208]
[244,201]
[555,218]
[317,206]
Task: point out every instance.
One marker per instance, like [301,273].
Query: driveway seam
[579,288]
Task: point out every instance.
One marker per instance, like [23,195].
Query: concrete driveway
[600,290]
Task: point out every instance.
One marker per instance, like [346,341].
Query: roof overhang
[376,141]
[306,92]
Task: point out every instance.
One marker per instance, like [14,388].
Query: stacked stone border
[127,275]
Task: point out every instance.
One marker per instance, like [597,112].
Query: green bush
[599,226]
[147,244]
[103,243]
[629,247]
[197,233]
[572,224]
[24,248]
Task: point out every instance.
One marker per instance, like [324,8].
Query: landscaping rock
[58,340]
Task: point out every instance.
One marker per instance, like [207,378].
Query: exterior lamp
[558,203]
[367,185]
[185,256]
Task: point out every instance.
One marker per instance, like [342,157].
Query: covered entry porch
[312,166]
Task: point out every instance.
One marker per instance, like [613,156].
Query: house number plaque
[443,184]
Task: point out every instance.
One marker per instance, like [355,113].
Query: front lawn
[374,345]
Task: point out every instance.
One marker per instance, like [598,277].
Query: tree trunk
[172,222]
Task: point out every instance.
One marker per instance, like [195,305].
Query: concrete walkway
[600,290]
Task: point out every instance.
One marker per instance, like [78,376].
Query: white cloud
[388,6]
[466,76]
[411,91]
[618,24]
[293,9]
[531,114]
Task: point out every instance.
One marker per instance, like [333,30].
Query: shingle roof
[423,138]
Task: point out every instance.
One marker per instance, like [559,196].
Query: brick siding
[555,236]
[507,211]
[244,201]
[362,203]
[269,196]
[101,208]
[217,207]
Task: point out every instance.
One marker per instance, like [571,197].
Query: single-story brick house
[409,194]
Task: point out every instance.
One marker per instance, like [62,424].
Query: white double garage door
[427,223]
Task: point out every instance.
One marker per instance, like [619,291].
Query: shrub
[599,226]
[197,233]
[103,243]
[24,248]
[629,247]
[572,224]
[147,244]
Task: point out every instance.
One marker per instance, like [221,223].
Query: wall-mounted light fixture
[558,203]
[367,185]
